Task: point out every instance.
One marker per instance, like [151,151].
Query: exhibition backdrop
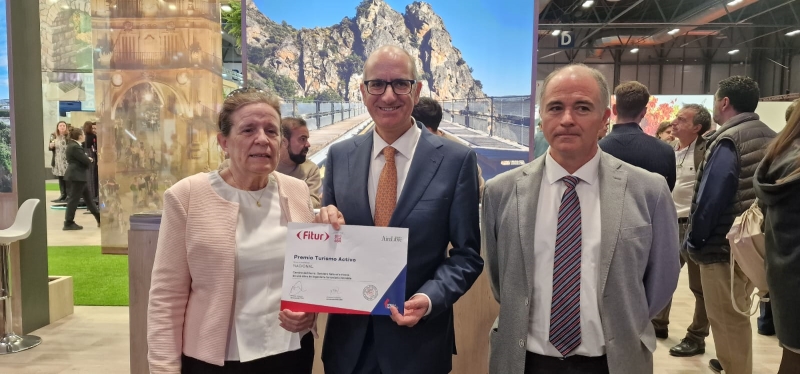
[472,56]
[6,150]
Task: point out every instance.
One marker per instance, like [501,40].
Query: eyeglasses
[399,86]
[243,90]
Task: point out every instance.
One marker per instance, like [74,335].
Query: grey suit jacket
[638,269]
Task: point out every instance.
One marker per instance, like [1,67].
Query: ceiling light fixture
[634,50]
[588,3]
[733,52]
[734,2]
[226,8]
[793,33]
[674,31]
[556,32]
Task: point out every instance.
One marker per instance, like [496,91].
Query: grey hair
[701,117]
[395,48]
[605,92]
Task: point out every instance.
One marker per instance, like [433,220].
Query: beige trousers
[733,336]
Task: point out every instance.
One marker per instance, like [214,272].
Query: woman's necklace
[258,201]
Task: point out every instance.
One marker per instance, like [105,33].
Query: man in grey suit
[609,228]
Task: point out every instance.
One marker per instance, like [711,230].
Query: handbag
[748,249]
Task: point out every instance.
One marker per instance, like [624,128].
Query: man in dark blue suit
[629,143]
[401,176]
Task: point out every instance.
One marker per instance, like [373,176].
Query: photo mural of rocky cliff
[326,63]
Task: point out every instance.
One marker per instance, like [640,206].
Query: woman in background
[76,175]
[58,146]
[90,145]
[777,185]
[217,278]
[665,132]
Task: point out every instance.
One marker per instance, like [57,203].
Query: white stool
[21,229]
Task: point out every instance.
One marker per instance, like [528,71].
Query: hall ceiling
[749,24]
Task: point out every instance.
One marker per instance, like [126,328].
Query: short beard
[298,158]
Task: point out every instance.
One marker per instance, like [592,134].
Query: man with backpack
[724,190]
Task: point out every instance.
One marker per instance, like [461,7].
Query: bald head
[390,52]
[581,70]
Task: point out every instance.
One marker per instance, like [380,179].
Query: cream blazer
[191,291]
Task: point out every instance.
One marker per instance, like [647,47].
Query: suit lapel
[613,182]
[528,187]
[699,152]
[427,159]
[358,172]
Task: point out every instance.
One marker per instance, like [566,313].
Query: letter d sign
[565,40]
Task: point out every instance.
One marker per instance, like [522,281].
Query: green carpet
[97,279]
[51,187]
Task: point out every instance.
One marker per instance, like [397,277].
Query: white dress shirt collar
[588,173]
[404,145]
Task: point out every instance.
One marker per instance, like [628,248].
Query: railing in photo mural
[506,117]
[319,114]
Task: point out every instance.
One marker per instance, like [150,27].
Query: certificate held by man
[355,270]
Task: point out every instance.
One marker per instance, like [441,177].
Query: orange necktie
[386,196]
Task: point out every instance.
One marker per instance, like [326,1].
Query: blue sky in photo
[495,37]
[4,91]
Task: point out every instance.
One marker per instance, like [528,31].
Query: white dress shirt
[254,331]
[405,145]
[552,189]
[685,178]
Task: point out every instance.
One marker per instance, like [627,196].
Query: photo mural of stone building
[158,90]
[65,28]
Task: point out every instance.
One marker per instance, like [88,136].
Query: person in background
[58,146]
[294,161]
[723,191]
[76,176]
[216,282]
[580,246]
[777,185]
[90,147]
[664,132]
[629,143]
[429,112]
[765,323]
[690,148]
[604,130]
[540,144]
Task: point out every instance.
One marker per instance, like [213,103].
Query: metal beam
[661,11]
[754,16]
[644,25]
[628,9]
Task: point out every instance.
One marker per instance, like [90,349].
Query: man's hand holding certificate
[355,270]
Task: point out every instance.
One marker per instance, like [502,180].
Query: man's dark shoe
[662,334]
[766,332]
[715,366]
[70,226]
[688,348]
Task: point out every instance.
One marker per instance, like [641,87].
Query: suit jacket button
[521,343]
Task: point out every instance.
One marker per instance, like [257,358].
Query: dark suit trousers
[538,364]
[368,358]
[76,191]
[300,361]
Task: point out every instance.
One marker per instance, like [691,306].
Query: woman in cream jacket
[216,283]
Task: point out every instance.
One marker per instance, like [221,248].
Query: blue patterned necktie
[565,310]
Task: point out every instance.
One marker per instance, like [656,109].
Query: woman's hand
[330,214]
[296,322]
